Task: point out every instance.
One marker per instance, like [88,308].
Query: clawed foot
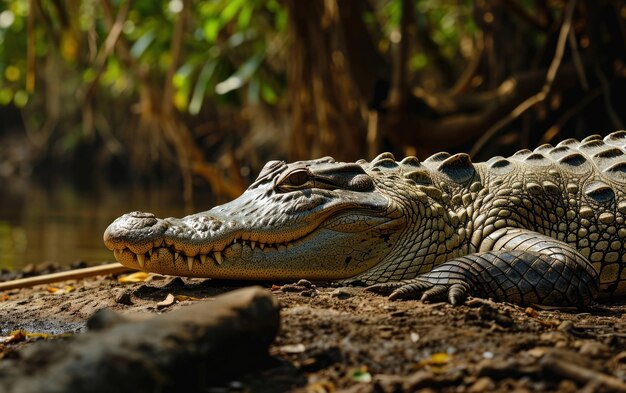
[454,293]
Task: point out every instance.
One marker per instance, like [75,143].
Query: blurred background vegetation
[108,106]
[199,94]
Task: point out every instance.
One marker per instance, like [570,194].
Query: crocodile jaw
[307,257]
[335,239]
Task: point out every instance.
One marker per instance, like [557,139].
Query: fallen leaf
[52,289]
[134,277]
[168,301]
[439,358]
[14,337]
[437,361]
[21,335]
[184,298]
[360,375]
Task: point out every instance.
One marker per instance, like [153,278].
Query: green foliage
[446,22]
[13,42]
[223,49]
[232,51]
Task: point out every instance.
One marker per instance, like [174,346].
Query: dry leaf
[134,277]
[184,298]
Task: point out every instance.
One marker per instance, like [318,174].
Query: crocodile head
[317,219]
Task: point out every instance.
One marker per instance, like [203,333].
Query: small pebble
[481,385]
[123,297]
[536,352]
[594,349]
[305,283]
[565,326]
[292,348]
[308,293]
[341,293]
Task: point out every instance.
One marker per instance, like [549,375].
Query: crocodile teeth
[190,263]
[176,255]
[253,245]
[150,252]
[262,245]
[141,259]
[203,258]
[218,257]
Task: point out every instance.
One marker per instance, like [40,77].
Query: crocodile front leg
[512,265]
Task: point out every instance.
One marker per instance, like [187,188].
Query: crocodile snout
[135,229]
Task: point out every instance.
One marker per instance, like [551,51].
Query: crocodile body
[544,226]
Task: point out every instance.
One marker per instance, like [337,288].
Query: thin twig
[110,268]
[463,83]
[580,69]
[397,95]
[108,46]
[30,48]
[172,129]
[535,20]
[563,367]
[553,131]
[542,94]
[176,45]
[606,90]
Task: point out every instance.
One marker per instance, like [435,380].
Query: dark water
[64,225]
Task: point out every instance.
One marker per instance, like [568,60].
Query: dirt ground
[346,339]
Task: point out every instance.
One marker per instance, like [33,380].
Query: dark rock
[123,297]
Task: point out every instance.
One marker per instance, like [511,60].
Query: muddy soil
[346,339]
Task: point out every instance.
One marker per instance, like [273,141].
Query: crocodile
[539,227]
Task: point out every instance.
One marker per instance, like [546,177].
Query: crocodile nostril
[141,215]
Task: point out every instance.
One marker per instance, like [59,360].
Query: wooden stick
[75,274]
[561,365]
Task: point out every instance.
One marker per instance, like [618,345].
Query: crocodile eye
[297,178]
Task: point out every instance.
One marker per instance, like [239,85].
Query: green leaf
[254,88]
[243,22]
[201,86]
[268,94]
[140,46]
[212,29]
[6,95]
[181,77]
[231,9]
[281,21]
[418,62]
[241,76]
[361,375]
